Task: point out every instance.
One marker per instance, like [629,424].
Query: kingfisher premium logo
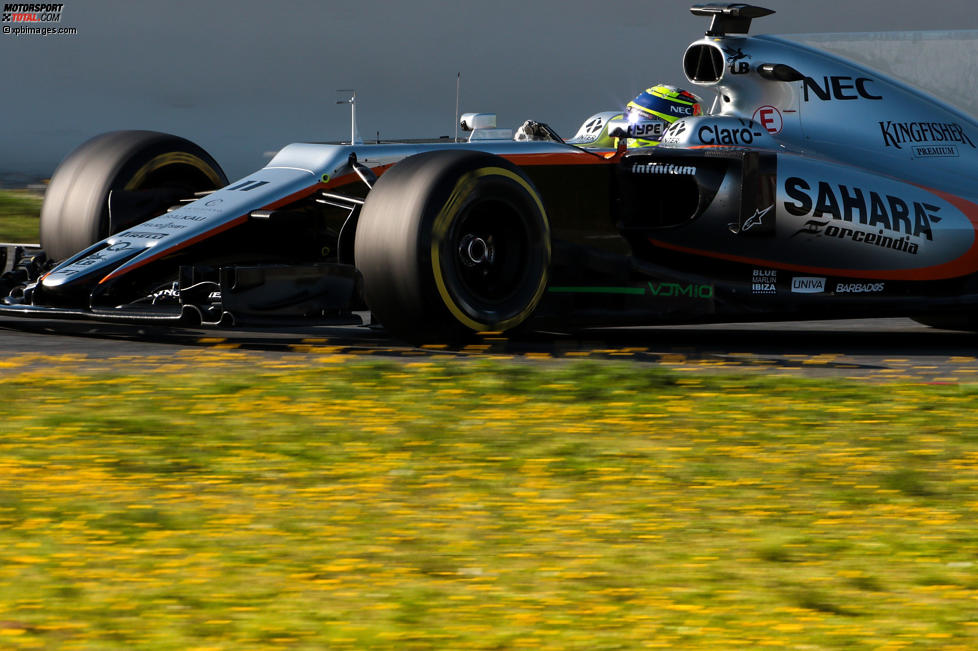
[926,139]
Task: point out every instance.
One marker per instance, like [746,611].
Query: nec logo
[840,88]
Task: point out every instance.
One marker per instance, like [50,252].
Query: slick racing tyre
[117,180]
[452,242]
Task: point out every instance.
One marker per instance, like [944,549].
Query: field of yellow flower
[225,500]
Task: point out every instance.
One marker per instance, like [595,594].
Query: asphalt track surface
[864,349]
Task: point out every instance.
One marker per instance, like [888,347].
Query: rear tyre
[452,242]
[144,172]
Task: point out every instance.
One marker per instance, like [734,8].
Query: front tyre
[140,173]
[450,242]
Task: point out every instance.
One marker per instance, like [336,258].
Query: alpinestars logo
[757,219]
[754,221]
[31,13]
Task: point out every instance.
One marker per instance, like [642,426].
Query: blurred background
[244,78]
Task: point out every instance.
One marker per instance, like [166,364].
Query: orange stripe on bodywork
[968,262]
[353,177]
[220,228]
[584,158]
[301,194]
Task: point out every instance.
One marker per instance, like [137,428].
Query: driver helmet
[656,108]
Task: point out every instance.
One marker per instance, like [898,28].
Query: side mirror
[778,72]
[475,121]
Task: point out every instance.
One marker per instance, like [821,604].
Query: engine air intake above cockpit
[703,64]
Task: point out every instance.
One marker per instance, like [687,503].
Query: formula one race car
[815,188]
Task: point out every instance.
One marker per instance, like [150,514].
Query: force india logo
[891,221]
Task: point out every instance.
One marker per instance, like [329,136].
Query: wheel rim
[490,244]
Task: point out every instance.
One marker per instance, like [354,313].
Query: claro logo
[713,134]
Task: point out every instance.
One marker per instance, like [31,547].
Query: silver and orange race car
[815,187]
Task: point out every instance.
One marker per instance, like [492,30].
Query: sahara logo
[856,205]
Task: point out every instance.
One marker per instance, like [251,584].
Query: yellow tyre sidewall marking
[172,158]
[440,228]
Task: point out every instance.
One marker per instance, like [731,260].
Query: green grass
[225,501]
[20,213]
